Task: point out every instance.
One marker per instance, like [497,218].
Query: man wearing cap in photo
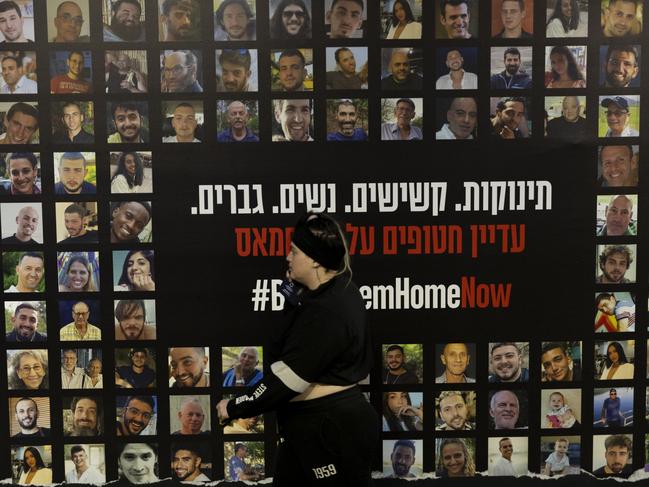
[617,117]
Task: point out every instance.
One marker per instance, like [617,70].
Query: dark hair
[292,53]
[37,456]
[167,5]
[407,443]
[23,155]
[238,57]
[504,344]
[114,7]
[501,104]
[620,353]
[145,399]
[390,418]
[76,449]
[10,5]
[25,398]
[25,306]
[634,2]
[12,58]
[331,236]
[360,3]
[339,50]
[118,204]
[126,307]
[226,3]
[83,259]
[72,53]
[75,208]
[277,30]
[71,104]
[603,297]
[563,346]
[98,403]
[126,106]
[573,69]
[122,446]
[192,447]
[124,279]
[618,440]
[615,249]
[395,347]
[121,169]
[135,350]
[239,446]
[618,48]
[452,3]
[521,3]
[406,7]
[24,108]
[568,24]
[513,51]
[35,255]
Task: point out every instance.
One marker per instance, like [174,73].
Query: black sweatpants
[326,442]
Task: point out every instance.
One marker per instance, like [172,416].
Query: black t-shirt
[624,474]
[14,240]
[91,236]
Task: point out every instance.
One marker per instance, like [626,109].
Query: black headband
[317,249]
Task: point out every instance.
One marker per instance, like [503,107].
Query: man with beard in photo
[621,66]
[506,363]
[189,367]
[86,417]
[27,418]
[125,23]
[136,414]
[291,20]
[130,315]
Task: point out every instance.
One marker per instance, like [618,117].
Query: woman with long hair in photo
[129,175]
[564,71]
[318,357]
[564,20]
[455,459]
[138,272]
[402,22]
[77,276]
[34,471]
[616,364]
[399,414]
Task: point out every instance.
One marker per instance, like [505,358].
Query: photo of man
[83,472]
[70,119]
[394,365]
[615,312]
[456,78]
[293,119]
[557,363]
[341,68]
[621,18]
[14,77]
[507,456]
[189,367]
[20,224]
[512,19]
[22,172]
[406,120]
[517,63]
[135,368]
[77,222]
[615,215]
[292,70]
[186,462]
[80,329]
[620,66]
[615,264]
[344,18]
[25,319]
[565,117]
[245,370]
[401,460]
[236,70]
[124,22]
[189,414]
[184,122]
[128,120]
[179,20]
[235,121]
[403,76]
[454,359]
[461,119]
[72,78]
[72,173]
[619,116]
[346,116]
[20,124]
[13,26]
[505,410]
[26,412]
[507,360]
[29,272]
[234,20]
[125,71]
[134,415]
[135,319]
[290,19]
[616,451]
[509,119]
[455,20]
[181,72]
[129,220]
[85,418]
[618,166]
[454,412]
[68,23]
